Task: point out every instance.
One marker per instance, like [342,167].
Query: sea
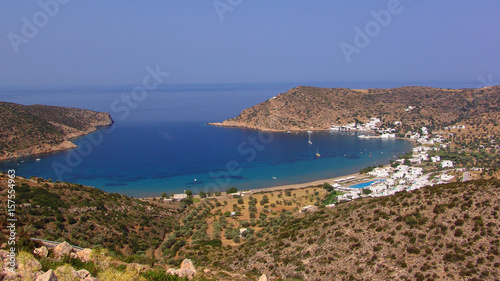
[161,143]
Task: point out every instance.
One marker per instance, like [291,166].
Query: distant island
[406,108]
[35,129]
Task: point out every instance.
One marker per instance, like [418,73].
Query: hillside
[304,108]
[34,129]
[86,217]
[444,232]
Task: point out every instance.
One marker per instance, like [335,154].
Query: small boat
[310,142]
[317,153]
[38,159]
[274,178]
[288,132]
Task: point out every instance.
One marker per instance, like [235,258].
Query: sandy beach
[355,177]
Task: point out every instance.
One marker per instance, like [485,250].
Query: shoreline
[356,177]
[43,148]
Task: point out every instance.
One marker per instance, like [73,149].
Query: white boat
[310,142]
[317,153]
[274,178]
[38,159]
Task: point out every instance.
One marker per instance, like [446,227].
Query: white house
[416,160]
[180,196]
[398,175]
[424,130]
[436,158]
[446,164]
[445,177]
[416,171]
[379,172]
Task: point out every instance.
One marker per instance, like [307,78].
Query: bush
[413,250]
[231,190]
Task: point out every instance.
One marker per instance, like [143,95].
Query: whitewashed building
[447,164]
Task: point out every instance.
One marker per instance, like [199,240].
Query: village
[404,174]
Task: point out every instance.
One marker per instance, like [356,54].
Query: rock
[187,263]
[63,249]
[82,273]
[47,276]
[28,266]
[83,255]
[187,269]
[263,278]
[206,270]
[42,251]
[185,272]
[171,271]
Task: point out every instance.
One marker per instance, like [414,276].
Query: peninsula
[311,108]
[35,129]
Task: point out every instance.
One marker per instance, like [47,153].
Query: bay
[164,144]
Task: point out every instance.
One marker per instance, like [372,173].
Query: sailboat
[317,153]
[310,142]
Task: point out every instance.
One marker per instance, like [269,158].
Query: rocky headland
[313,108]
[37,129]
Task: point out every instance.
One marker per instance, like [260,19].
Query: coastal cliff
[305,108]
[36,129]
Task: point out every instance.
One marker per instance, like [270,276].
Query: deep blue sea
[162,143]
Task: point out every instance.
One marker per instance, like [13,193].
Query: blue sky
[97,43]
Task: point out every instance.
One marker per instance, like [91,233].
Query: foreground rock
[63,249]
[187,269]
[42,252]
[47,276]
[83,255]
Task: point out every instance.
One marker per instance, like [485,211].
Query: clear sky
[70,43]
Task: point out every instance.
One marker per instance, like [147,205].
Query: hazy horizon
[70,44]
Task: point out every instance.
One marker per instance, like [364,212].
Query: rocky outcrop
[63,249]
[311,108]
[39,149]
[47,276]
[82,273]
[83,255]
[28,267]
[187,269]
[38,129]
[41,252]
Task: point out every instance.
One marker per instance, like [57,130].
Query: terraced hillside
[444,232]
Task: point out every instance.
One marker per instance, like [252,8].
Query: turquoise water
[164,145]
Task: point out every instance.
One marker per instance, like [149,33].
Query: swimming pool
[364,184]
